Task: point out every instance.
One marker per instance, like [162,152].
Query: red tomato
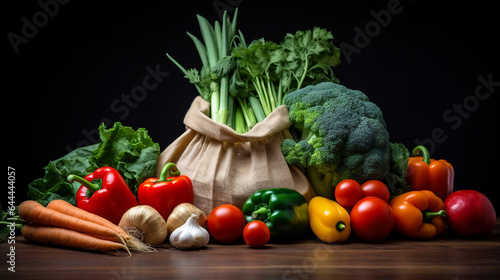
[347,193]
[375,188]
[225,223]
[469,213]
[372,219]
[256,234]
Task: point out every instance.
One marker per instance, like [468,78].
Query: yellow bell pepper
[329,221]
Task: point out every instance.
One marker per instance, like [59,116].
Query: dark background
[423,65]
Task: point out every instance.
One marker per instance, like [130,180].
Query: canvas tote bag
[226,167]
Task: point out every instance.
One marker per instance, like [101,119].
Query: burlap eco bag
[226,167]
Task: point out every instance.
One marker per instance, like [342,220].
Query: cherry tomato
[375,188]
[469,213]
[225,223]
[372,219]
[256,234]
[347,193]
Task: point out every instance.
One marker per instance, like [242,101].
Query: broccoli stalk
[321,182]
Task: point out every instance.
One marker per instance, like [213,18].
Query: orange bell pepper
[425,173]
[419,214]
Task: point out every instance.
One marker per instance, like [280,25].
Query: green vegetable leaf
[132,152]
[315,53]
[396,178]
[53,185]
[224,66]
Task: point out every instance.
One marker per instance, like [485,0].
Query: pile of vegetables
[366,210]
[339,133]
[366,184]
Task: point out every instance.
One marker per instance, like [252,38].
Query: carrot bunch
[61,223]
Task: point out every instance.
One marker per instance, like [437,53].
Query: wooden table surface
[397,258]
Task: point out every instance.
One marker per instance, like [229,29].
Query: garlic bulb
[144,223]
[181,214]
[190,235]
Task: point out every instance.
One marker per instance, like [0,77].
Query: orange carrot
[67,208]
[34,212]
[71,210]
[68,238]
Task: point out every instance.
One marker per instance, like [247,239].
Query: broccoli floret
[296,153]
[341,135]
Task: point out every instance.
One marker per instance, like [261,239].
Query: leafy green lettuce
[53,185]
[132,152]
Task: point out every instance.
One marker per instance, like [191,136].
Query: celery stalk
[257,108]
[224,81]
[239,121]
[202,51]
[207,32]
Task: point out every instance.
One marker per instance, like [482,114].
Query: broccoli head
[340,134]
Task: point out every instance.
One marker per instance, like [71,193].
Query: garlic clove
[186,239]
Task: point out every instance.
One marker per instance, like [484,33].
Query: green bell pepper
[283,210]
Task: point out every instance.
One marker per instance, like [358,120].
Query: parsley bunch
[273,70]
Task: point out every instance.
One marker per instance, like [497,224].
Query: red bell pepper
[166,192]
[105,193]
